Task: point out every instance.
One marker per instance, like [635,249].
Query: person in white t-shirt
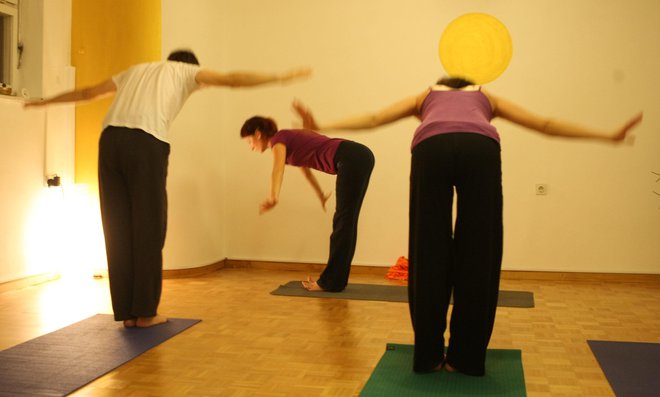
[133,160]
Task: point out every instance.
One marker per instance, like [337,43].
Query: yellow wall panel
[107,36]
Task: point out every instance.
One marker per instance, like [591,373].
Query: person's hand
[324,199]
[305,115]
[267,205]
[293,74]
[621,134]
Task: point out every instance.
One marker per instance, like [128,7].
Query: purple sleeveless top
[450,111]
[306,148]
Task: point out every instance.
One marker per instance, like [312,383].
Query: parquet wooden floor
[251,343]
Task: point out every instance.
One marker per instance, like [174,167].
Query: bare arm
[102,89]
[315,185]
[396,111]
[279,160]
[207,77]
[553,127]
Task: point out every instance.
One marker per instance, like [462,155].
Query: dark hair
[266,125]
[185,56]
[454,82]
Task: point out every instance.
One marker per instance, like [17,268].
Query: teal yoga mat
[394,377]
[391,293]
[63,361]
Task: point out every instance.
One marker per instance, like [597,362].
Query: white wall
[196,234]
[21,172]
[594,62]
[34,144]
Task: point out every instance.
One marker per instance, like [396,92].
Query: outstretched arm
[315,185]
[102,89]
[548,126]
[207,77]
[279,160]
[396,111]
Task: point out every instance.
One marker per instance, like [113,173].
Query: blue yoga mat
[631,368]
[63,361]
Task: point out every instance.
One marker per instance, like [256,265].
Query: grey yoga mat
[391,293]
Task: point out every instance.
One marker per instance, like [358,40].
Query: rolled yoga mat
[65,360]
[391,293]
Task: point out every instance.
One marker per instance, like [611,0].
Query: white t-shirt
[150,95]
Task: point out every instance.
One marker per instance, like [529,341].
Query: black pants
[354,163]
[132,177]
[465,261]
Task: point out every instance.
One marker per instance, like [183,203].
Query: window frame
[9,48]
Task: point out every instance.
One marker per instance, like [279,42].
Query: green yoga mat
[394,377]
[391,293]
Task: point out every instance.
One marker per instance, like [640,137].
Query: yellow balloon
[476,47]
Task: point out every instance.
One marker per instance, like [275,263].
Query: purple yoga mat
[631,368]
[65,360]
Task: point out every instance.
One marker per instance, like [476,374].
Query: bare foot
[130,323]
[439,367]
[311,285]
[449,368]
[146,322]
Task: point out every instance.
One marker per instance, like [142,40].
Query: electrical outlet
[541,189]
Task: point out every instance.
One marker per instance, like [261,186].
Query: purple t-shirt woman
[350,161]
[306,148]
[446,112]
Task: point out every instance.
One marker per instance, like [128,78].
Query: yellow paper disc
[476,47]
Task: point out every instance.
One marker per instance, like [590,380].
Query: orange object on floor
[399,271]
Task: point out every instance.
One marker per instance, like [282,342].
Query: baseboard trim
[300,266]
[506,274]
[195,271]
[582,276]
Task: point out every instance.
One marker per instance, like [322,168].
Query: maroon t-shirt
[307,148]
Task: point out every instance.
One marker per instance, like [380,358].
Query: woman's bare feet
[130,323]
[311,285]
[146,322]
[449,368]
